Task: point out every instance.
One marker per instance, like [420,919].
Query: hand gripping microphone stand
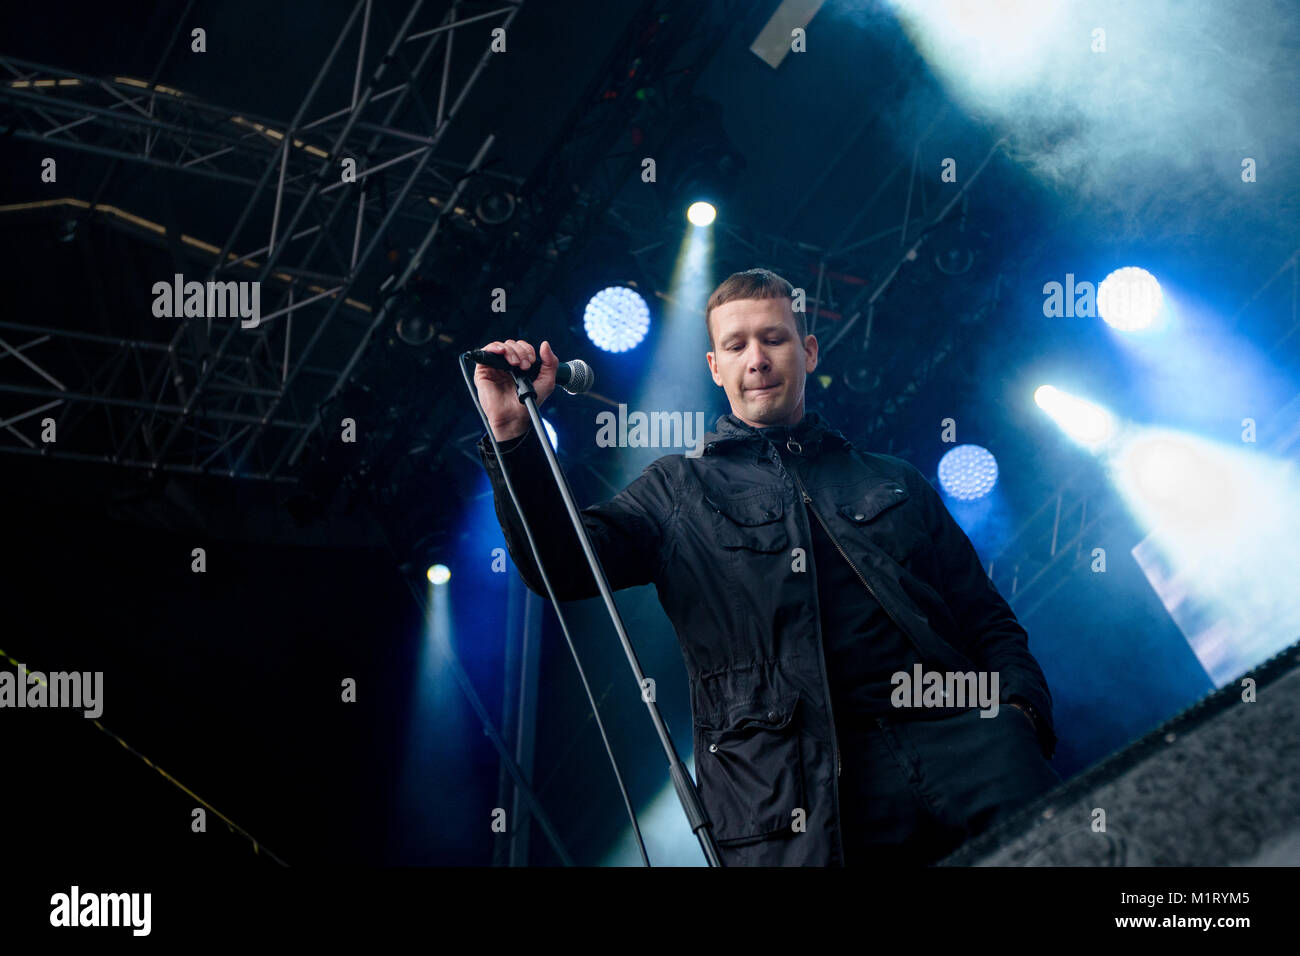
[682,782]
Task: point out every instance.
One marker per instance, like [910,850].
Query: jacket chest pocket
[874,514]
[750,768]
[753,523]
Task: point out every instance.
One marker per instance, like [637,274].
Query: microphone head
[579,379]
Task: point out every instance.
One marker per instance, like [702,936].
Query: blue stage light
[1129,299]
[616,319]
[968,472]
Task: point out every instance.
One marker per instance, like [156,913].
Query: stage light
[1129,299]
[701,213]
[420,310]
[1088,424]
[438,574]
[414,329]
[494,206]
[616,318]
[700,166]
[968,472]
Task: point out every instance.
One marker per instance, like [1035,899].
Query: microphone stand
[685,787]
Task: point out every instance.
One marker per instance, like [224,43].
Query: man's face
[759,360]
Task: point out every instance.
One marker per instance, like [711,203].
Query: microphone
[574,377]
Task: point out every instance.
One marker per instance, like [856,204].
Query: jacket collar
[730,434]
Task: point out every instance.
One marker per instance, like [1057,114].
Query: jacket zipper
[835,541]
[826,683]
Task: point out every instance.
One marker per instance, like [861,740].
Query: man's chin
[765,413]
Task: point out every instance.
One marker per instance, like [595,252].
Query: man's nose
[759,363]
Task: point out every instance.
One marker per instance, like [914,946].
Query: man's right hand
[496,388]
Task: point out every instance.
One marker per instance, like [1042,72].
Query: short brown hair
[754,284]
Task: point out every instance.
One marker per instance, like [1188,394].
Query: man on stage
[813,587]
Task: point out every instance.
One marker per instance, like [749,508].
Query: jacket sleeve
[997,639]
[629,532]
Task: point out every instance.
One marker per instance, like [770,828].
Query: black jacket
[715,530]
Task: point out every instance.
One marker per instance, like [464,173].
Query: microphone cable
[537,559]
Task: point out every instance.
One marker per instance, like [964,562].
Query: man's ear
[810,353]
[713,368]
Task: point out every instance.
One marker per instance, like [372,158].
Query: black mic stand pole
[685,787]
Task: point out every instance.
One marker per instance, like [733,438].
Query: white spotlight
[701,214]
[1088,424]
[1129,299]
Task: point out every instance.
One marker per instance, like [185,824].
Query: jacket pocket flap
[867,506]
[753,522]
[767,713]
[749,511]
[750,765]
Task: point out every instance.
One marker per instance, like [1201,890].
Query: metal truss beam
[216,397]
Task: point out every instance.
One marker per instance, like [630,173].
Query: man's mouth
[765,388]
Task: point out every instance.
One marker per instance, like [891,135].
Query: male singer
[810,584]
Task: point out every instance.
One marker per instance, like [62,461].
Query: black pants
[912,791]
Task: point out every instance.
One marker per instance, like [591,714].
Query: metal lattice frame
[244,406]
[664,48]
